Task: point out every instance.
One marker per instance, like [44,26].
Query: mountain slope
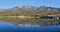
[31,8]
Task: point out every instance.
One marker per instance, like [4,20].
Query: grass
[24,15]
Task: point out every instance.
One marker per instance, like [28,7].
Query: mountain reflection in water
[8,27]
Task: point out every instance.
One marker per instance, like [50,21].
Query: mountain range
[31,8]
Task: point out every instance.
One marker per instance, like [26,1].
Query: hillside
[30,15]
[31,9]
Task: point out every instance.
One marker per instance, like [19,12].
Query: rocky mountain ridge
[32,8]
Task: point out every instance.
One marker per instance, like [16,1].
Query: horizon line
[26,5]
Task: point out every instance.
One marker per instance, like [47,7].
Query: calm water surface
[8,27]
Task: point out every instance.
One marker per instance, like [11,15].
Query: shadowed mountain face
[31,8]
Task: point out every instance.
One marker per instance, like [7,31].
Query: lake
[8,27]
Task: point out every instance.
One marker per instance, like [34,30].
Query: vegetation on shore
[24,15]
[29,17]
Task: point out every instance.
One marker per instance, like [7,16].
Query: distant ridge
[31,8]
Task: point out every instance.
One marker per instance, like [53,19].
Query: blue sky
[13,3]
